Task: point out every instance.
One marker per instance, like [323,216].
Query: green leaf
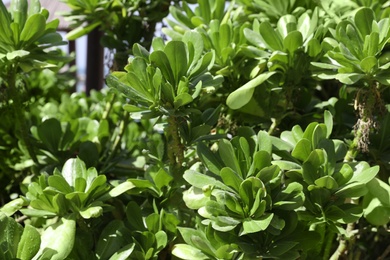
[368,64]
[365,176]
[124,253]
[58,239]
[182,100]
[60,184]
[264,142]
[363,20]
[160,59]
[302,149]
[121,188]
[352,190]
[17,54]
[293,41]
[185,251]
[326,182]
[243,95]
[271,38]
[14,205]
[380,190]
[178,59]
[10,233]
[210,159]
[228,156]
[328,120]
[200,180]
[33,29]
[81,31]
[91,212]
[231,178]
[112,239]
[252,226]
[72,169]
[29,243]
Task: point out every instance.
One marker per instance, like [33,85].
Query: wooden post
[95,57]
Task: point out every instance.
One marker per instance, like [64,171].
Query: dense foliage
[252,129]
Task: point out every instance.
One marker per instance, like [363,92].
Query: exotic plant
[164,83]
[256,206]
[122,23]
[357,56]
[154,169]
[26,41]
[282,80]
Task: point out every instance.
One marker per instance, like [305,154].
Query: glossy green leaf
[242,96]
[60,184]
[252,226]
[200,180]
[231,178]
[363,20]
[124,253]
[58,239]
[29,243]
[368,64]
[326,182]
[81,31]
[34,29]
[72,169]
[228,156]
[352,190]
[365,176]
[91,212]
[293,41]
[185,251]
[10,233]
[17,54]
[271,38]
[302,149]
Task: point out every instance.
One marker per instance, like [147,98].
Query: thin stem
[19,115]
[328,246]
[343,244]
[117,140]
[175,147]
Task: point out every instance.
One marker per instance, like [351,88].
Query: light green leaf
[58,239]
[178,59]
[33,29]
[29,243]
[253,226]
[328,120]
[242,96]
[293,41]
[81,31]
[17,54]
[124,253]
[326,182]
[271,38]
[302,149]
[185,251]
[231,178]
[368,64]
[363,20]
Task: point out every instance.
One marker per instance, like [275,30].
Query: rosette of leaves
[282,79]
[317,162]
[75,189]
[26,38]
[358,57]
[138,236]
[165,81]
[241,200]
